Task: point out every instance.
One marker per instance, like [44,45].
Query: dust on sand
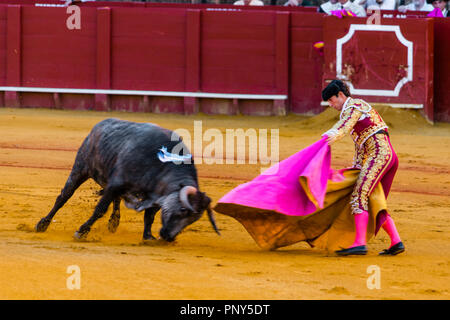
[37,150]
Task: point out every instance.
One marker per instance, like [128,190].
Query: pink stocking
[361,221]
[389,227]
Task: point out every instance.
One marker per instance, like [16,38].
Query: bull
[130,161]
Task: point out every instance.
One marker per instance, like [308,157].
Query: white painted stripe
[393,105]
[149,93]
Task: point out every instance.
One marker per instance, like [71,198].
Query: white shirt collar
[345,103]
[345,4]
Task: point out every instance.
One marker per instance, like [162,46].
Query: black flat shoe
[394,250]
[359,250]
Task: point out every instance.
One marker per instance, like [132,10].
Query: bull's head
[180,209]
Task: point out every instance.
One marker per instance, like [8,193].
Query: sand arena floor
[37,150]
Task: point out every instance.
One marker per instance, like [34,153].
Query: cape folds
[300,199]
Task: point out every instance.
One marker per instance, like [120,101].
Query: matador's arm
[348,120]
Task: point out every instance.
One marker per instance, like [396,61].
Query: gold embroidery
[372,152]
[349,117]
[360,104]
[358,159]
[353,111]
[377,125]
[377,156]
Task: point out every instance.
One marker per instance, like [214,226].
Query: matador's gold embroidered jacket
[360,120]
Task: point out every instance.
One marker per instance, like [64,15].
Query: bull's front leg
[149,217]
[102,206]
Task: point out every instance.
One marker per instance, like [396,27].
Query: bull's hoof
[42,225]
[113,223]
[80,235]
[155,242]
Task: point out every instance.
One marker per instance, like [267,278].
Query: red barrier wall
[158,49]
[148,49]
[3,24]
[306,64]
[442,69]
[197,48]
[52,55]
[238,52]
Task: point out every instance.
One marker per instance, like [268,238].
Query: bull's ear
[205,200]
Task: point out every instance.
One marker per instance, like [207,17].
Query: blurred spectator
[249,3]
[334,5]
[329,6]
[74,2]
[377,4]
[297,3]
[441,4]
[353,7]
[416,5]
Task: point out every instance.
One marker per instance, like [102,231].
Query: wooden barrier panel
[3,22]
[54,56]
[238,52]
[13,53]
[306,64]
[387,63]
[148,49]
[442,69]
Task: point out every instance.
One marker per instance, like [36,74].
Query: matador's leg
[377,160]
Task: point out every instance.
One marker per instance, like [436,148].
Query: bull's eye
[183,210]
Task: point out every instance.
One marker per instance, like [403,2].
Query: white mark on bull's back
[165,156]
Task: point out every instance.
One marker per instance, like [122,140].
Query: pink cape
[301,199]
[279,189]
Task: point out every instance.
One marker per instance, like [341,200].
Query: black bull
[122,157]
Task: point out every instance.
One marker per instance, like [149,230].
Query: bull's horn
[212,219]
[184,193]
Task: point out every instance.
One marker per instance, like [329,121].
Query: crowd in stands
[357,7]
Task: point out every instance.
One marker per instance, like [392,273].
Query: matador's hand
[330,138]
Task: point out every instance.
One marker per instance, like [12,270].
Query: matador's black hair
[333,88]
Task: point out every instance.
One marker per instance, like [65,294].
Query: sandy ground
[37,150]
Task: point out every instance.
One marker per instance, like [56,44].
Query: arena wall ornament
[378,28]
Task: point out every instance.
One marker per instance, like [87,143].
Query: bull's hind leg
[77,176]
[149,217]
[102,206]
[115,216]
